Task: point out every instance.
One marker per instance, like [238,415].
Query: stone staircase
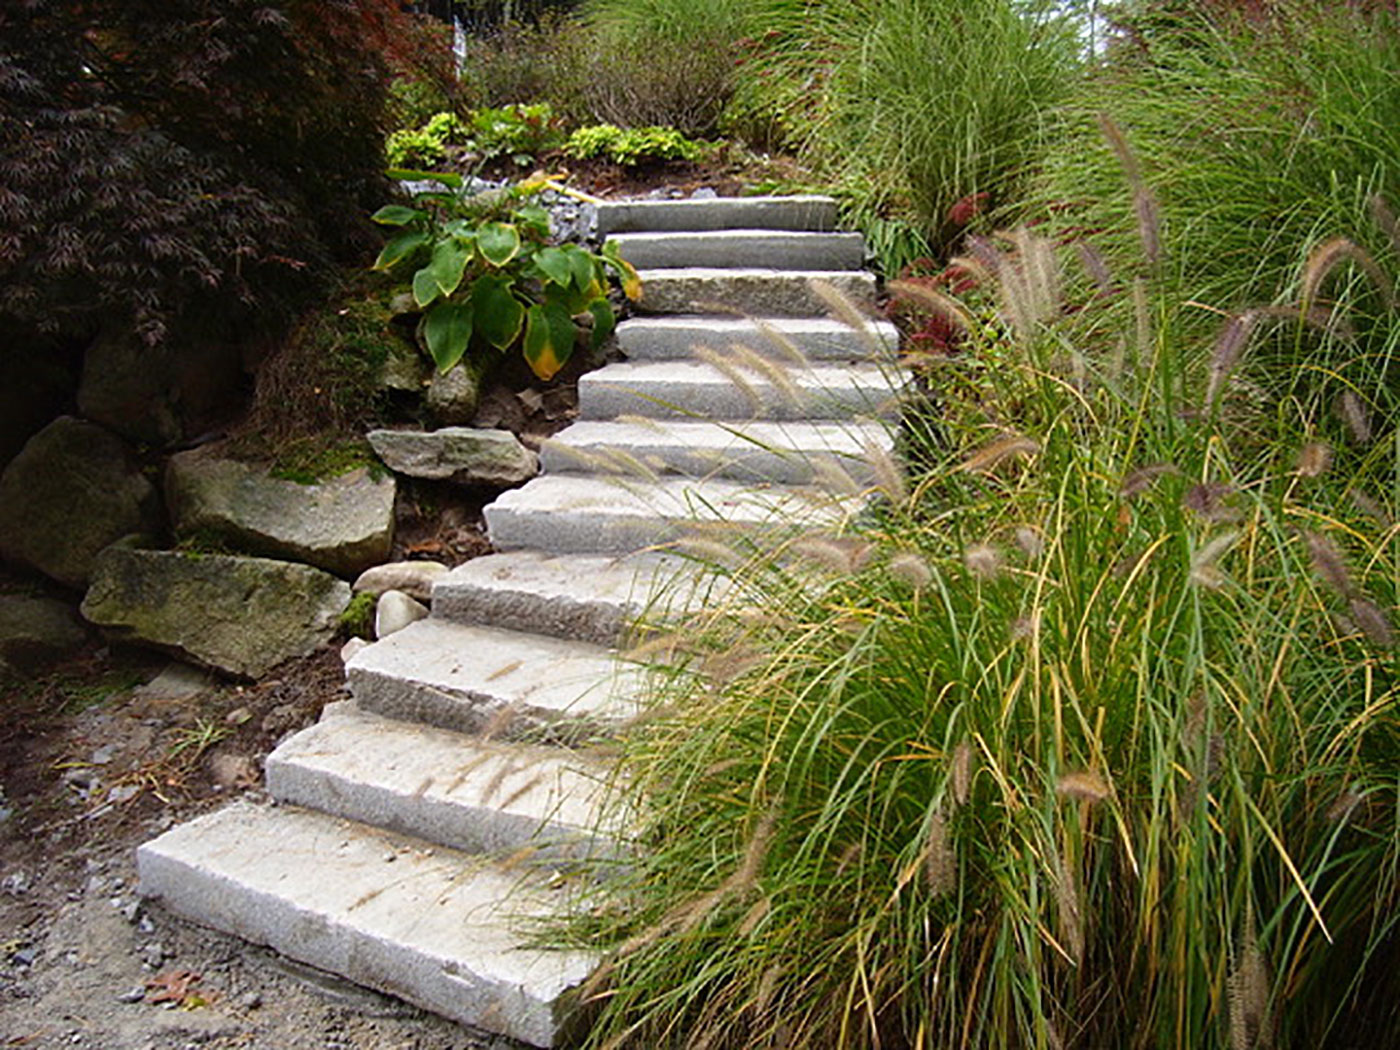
[419,825]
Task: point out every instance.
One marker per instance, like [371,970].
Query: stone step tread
[780,249]
[760,292]
[737,390]
[593,598]
[787,338]
[564,513]
[456,790]
[803,212]
[793,452]
[507,684]
[434,926]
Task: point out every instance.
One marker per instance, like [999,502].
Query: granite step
[502,684]
[571,514]
[435,926]
[733,389]
[757,292]
[771,249]
[807,212]
[476,795]
[793,339]
[794,452]
[590,598]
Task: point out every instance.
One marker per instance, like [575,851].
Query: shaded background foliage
[177,165]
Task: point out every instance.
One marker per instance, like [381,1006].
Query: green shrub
[1083,740]
[632,146]
[542,61]
[485,274]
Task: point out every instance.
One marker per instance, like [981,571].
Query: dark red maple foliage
[166,163]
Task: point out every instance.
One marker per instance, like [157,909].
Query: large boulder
[460,454]
[242,616]
[156,395]
[343,524]
[35,631]
[71,491]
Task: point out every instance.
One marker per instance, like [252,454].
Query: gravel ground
[91,766]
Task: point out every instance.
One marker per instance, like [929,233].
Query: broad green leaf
[604,321]
[498,314]
[555,265]
[582,265]
[397,215]
[448,264]
[425,286]
[447,329]
[414,175]
[535,217]
[549,339]
[498,242]
[631,283]
[400,248]
[571,299]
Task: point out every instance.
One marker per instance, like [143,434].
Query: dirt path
[91,766]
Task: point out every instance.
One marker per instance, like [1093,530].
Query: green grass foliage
[1084,738]
[1257,140]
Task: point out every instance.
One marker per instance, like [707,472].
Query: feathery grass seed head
[1313,459]
[983,562]
[911,569]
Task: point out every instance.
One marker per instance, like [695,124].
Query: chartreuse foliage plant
[521,132]
[1084,736]
[632,146]
[485,273]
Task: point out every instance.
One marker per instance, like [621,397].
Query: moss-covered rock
[238,615]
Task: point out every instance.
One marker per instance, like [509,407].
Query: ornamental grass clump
[1090,744]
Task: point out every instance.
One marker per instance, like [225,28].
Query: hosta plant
[486,275]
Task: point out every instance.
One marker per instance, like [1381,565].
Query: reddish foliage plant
[168,163]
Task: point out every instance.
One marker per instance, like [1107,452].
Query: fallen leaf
[174,986]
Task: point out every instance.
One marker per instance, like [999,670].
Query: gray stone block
[731,390]
[793,339]
[502,683]
[464,455]
[759,451]
[809,212]
[436,927]
[770,249]
[458,791]
[343,524]
[590,598]
[758,293]
[565,514]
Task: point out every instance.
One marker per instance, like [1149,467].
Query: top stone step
[810,213]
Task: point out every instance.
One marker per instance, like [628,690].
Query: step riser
[470,711]
[458,825]
[599,623]
[741,463]
[601,398]
[314,890]
[762,293]
[591,599]
[579,532]
[810,213]
[675,339]
[768,250]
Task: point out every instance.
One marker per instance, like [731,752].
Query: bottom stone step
[428,924]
